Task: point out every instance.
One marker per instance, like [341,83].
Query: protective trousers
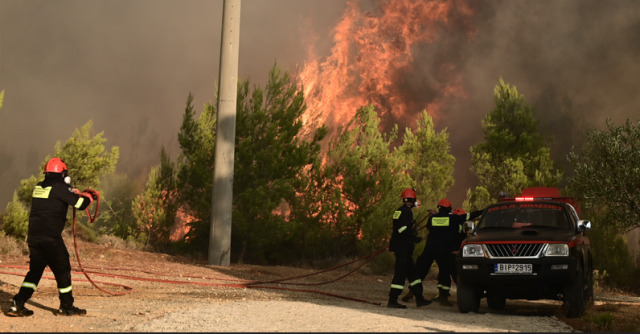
[55,255]
[443,258]
[404,270]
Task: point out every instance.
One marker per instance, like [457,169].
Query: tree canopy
[513,155]
[87,161]
[607,172]
[269,157]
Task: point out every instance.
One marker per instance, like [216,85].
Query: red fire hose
[75,245]
[252,284]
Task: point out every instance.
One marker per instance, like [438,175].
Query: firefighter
[402,244]
[443,240]
[50,201]
[458,243]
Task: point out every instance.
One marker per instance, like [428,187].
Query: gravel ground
[296,316]
[175,295]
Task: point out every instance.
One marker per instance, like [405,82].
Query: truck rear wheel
[589,301]
[468,297]
[574,298]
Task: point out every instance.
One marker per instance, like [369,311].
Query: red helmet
[55,165]
[459,212]
[408,193]
[444,203]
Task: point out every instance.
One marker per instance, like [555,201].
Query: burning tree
[368,178]
[269,156]
[156,207]
[377,58]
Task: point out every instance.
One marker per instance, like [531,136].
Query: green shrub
[601,320]
[611,258]
[15,220]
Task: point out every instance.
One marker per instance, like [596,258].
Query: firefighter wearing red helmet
[402,241]
[445,229]
[50,201]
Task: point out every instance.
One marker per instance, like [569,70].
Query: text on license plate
[513,268]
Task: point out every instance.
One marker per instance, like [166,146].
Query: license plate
[513,268]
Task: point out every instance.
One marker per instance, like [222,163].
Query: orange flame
[373,59]
[181,227]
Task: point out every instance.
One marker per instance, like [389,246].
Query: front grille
[514,250]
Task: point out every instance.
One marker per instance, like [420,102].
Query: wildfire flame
[372,62]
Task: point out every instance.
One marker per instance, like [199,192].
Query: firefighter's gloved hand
[94,193]
[87,195]
[75,191]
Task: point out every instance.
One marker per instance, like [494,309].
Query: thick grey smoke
[129,66]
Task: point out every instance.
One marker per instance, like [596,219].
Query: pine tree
[156,207]
[426,157]
[269,157]
[86,159]
[369,179]
[513,155]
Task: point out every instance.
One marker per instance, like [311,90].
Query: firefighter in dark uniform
[444,238]
[402,245]
[50,201]
[461,236]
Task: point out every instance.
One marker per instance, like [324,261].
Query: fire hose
[96,198]
[253,284]
[246,284]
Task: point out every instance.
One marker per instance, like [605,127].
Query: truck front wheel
[468,297]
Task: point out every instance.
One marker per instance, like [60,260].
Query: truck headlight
[557,250]
[472,250]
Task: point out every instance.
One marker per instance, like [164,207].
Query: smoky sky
[130,65]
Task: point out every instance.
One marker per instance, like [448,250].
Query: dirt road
[171,294]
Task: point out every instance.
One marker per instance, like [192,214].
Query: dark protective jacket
[50,202]
[445,229]
[404,233]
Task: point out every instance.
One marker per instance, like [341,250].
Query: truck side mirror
[584,225]
[469,227]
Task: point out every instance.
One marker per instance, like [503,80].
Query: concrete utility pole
[221,200]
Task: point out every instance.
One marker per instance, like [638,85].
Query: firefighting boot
[420,301]
[443,298]
[17,309]
[70,310]
[408,296]
[393,303]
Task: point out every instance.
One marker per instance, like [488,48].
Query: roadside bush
[15,220]
[612,259]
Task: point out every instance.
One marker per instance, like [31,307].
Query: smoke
[575,62]
[129,66]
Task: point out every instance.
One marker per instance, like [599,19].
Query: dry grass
[10,246]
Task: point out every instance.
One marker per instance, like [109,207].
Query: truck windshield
[528,215]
